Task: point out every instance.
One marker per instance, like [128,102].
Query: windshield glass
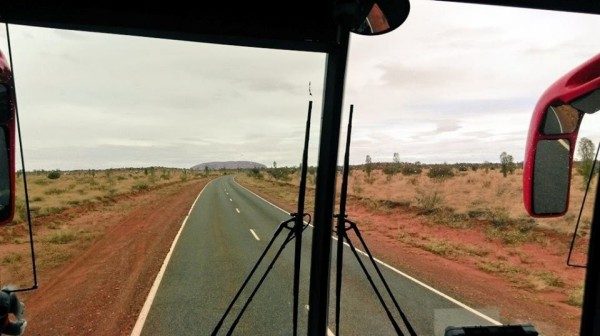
[159,170]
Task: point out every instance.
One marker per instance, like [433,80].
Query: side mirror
[7,144]
[372,17]
[552,137]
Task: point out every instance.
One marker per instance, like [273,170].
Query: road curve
[227,229]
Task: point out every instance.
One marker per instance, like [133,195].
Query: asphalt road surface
[227,229]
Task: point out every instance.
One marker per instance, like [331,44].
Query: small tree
[53,175]
[368,165]
[586,151]
[391,169]
[274,164]
[206,170]
[507,164]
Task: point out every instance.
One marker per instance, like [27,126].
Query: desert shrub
[551,279]
[440,172]
[462,168]
[586,151]
[428,200]
[507,165]
[281,173]
[53,175]
[255,173]
[497,266]
[476,213]
[499,217]
[20,210]
[121,178]
[368,165]
[140,186]
[390,170]
[441,248]
[411,169]
[37,199]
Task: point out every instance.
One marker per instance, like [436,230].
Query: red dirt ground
[102,290]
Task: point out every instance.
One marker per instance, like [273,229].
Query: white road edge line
[238,210]
[445,296]
[141,320]
[254,234]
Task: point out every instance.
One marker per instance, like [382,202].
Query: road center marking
[238,210]
[254,234]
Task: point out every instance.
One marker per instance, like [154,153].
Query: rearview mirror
[372,17]
[7,144]
[552,137]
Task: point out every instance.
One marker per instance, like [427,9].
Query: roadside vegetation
[59,199]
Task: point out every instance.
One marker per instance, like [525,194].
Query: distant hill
[229,165]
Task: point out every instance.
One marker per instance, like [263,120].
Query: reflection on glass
[561,119]
[4,175]
[589,103]
[4,110]
[383,16]
[551,176]
[375,22]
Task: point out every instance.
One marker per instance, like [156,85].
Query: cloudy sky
[455,83]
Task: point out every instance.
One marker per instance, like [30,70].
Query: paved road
[225,233]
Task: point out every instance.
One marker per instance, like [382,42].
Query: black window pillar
[320,264]
[590,317]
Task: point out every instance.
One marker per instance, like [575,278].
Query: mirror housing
[7,143]
[372,17]
[552,138]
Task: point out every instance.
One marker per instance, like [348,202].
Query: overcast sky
[455,83]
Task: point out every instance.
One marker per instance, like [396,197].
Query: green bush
[281,173]
[390,170]
[53,175]
[440,172]
[255,173]
[411,169]
[429,200]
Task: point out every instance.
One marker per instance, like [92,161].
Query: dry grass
[576,296]
[481,194]
[74,188]
[56,237]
